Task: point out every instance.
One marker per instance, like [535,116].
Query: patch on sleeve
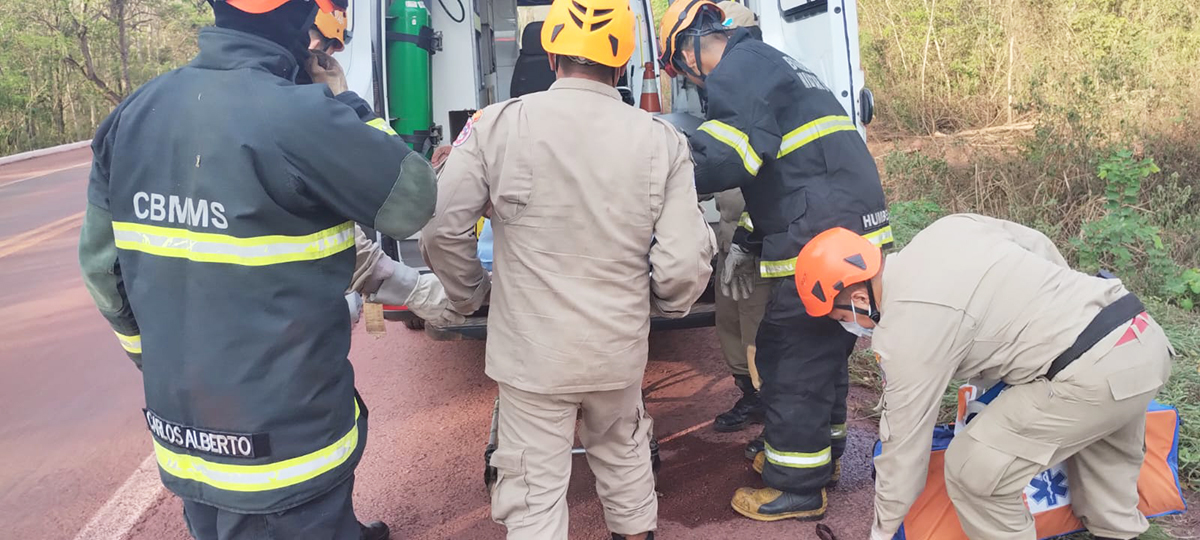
[467,129]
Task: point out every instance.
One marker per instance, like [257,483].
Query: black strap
[423,39]
[420,140]
[1110,318]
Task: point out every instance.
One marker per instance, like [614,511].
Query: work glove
[429,301]
[322,68]
[877,534]
[355,303]
[737,276]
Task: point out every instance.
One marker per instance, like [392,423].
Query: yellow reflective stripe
[131,344]
[837,431]
[221,248]
[265,477]
[737,140]
[745,223]
[774,269]
[479,227]
[812,131]
[382,125]
[799,460]
[881,237]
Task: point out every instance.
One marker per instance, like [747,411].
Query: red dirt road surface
[74,447]
[72,439]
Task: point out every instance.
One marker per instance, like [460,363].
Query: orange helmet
[263,6]
[680,16]
[830,262]
[599,30]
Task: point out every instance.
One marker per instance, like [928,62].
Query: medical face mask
[857,329]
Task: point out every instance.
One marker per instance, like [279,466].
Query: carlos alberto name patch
[214,443]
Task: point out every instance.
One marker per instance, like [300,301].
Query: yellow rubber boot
[769,504]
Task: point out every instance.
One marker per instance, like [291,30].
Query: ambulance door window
[504,34]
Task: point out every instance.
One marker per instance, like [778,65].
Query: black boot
[649,536]
[757,446]
[746,411]
[769,504]
[375,531]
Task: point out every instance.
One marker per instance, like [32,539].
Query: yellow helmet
[680,16]
[332,25]
[599,30]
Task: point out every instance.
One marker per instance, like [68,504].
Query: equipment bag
[932,517]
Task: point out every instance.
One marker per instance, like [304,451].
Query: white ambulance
[427,65]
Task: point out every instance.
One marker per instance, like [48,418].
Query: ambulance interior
[499,55]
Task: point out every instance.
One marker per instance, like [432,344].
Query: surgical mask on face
[857,329]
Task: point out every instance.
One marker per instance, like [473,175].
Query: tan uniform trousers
[737,322]
[1093,415]
[533,460]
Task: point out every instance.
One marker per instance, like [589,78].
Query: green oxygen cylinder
[410,44]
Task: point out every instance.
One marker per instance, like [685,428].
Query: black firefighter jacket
[773,129]
[219,241]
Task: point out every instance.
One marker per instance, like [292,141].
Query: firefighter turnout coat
[776,131]
[219,241]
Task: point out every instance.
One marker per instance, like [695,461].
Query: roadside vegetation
[64,64]
[1075,118]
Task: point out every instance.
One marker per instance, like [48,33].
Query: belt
[1110,318]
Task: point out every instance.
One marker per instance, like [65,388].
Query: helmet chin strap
[699,71]
[874,316]
[872,311]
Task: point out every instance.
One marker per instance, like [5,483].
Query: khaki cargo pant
[533,460]
[1093,415]
[737,322]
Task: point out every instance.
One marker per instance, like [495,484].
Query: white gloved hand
[877,534]
[429,301]
[737,277]
[355,303]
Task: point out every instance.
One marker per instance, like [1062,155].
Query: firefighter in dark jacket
[219,241]
[773,129]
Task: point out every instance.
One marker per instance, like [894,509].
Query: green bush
[1127,242]
[909,217]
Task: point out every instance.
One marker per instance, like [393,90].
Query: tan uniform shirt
[970,297]
[595,223]
[367,272]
